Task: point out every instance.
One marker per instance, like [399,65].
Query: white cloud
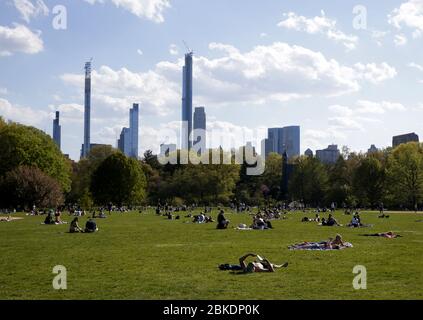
[29,10]
[263,35]
[365,106]
[319,25]
[19,39]
[274,73]
[277,72]
[355,119]
[375,73]
[409,14]
[21,114]
[416,66]
[140,52]
[174,50]
[4,91]
[400,40]
[352,118]
[149,9]
[341,110]
[69,112]
[117,90]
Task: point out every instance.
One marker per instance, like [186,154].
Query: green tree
[405,174]
[27,146]
[82,172]
[26,186]
[309,182]
[204,183]
[369,181]
[339,186]
[119,180]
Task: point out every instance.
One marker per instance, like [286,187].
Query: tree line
[33,172]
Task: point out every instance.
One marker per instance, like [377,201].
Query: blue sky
[258,64]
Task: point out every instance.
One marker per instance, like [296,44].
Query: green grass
[142,256]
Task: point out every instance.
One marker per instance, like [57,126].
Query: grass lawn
[142,256]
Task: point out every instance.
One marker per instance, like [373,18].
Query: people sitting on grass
[201,218]
[58,217]
[355,221]
[74,226]
[330,222]
[259,265]
[91,226]
[222,222]
[49,218]
[316,219]
[102,214]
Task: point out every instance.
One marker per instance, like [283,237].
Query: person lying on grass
[331,244]
[389,235]
[259,265]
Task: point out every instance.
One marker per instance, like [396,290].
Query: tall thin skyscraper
[57,130]
[186,142]
[200,129]
[87,111]
[134,128]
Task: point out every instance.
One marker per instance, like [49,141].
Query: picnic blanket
[9,219]
[320,246]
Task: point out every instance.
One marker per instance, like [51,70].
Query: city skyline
[368,88]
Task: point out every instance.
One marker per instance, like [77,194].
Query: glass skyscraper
[186,129]
[87,112]
[134,128]
[281,140]
[199,136]
[124,142]
[57,130]
[128,141]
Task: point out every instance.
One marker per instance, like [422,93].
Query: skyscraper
[291,141]
[199,137]
[330,155]
[275,137]
[281,140]
[57,130]
[134,128]
[186,129]
[124,142]
[87,111]
[405,138]
[128,141]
